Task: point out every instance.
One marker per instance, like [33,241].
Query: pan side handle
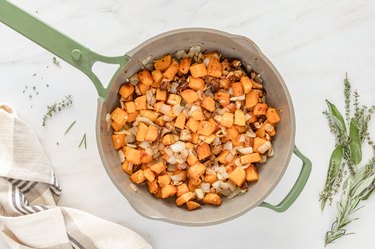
[57,43]
[296,189]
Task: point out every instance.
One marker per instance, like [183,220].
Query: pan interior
[230,46]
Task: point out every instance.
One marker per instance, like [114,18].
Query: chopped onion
[228,146]
[270,152]
[171,167]
[194,50]
[150,97]
[266,146]
[182,166]
[234,193]
[149,151]
[121,156]
[268,127]
[206,61]
[165,109]
[250,133]
[205,186]
[199,193]
[216,185]
[168,151]
[242,138]
[230,91]
[237,162]
[218,118]
[178,146]
[171,160]
[176,178]
[229,157]
[193,109]
[247,116]
[177,109]
[180,54]
[246,150]
[144,145]
[257,125]
[242,97]
[222,111]
[167,118]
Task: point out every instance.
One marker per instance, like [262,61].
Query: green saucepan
[229,45]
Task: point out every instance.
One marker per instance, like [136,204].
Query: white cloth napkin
[29,217]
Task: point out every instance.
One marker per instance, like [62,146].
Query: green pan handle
[297,188]
[57,43]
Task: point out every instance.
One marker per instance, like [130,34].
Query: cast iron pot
[231,46]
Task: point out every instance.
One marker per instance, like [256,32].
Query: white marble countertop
[312,43]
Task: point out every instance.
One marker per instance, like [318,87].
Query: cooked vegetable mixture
[193,126]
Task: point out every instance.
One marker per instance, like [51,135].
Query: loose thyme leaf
[83,141]
[57,107]
[355,142]
[70,127]
[337,117]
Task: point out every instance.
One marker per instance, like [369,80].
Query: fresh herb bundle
[350,135]
[57,107]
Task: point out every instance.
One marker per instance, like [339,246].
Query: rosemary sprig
[70,127]
[349,137]
[57,107]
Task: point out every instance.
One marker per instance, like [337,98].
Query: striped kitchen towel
[29,191]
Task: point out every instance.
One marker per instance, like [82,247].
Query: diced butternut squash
[133,155]
[258,142]
[182,189]
[149,114]
[250,158]
[140,103]
[198,70]
[127,167]
[193,125]
[145,77]
[126,90]
[222,158]
[196,171]
[161,95]
[130,107]
[203,151]
[168,191]
[232,133]
[239,118]
[180,121]
[194,138]
[238,176]
[149,174]
[119,116]
[198,115]
[118,140]
[212,198]
[184,198]
[212,54]
[260,109]
[116,126]
[205,128]
[142,130]
[208,103]
[143,88]
[153,187]
[246,83]
[196,83]
[168,139]
[192,159]
[237,89]
[210,178]
[252,174]
[164,180]
[251,99]
[158,168]
[190,96]
[171,71]
[138,177]
[227,120]
[214,68]
[272,116]
[132,116]
[157,76]
[225,83]
[191,205]
[163,63]
[223,98]
[152,133]
[174,99]
[185,65]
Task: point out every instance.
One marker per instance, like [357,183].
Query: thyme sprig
[350,135]
[57,107]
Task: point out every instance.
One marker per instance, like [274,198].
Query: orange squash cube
[272,116]
[116,126]
[119,116]
[130,107]
[189,96]
[138,177]
[168,139]
[191,205]
[152,134]
[140,103]
[246,83]
[168,191]
[250,158]
[238,176]
[157,76]
[208,103]
[203,151]
[133,155]
[237,89]
[214,68]
[196,83]
[227,120]
[185,65]
[158,168]
[251,99]
[161,95]
[252,174]
[205,128]
[141,132]
[180,121]
[163,63]
[118,140]
[260,109]
[171,71]
[198,70]
[143,88]
[223,98]
[239,118]
[192,124]
[126,90]
[145,77]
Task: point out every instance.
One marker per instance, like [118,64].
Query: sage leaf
[336,116]
[355,142]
